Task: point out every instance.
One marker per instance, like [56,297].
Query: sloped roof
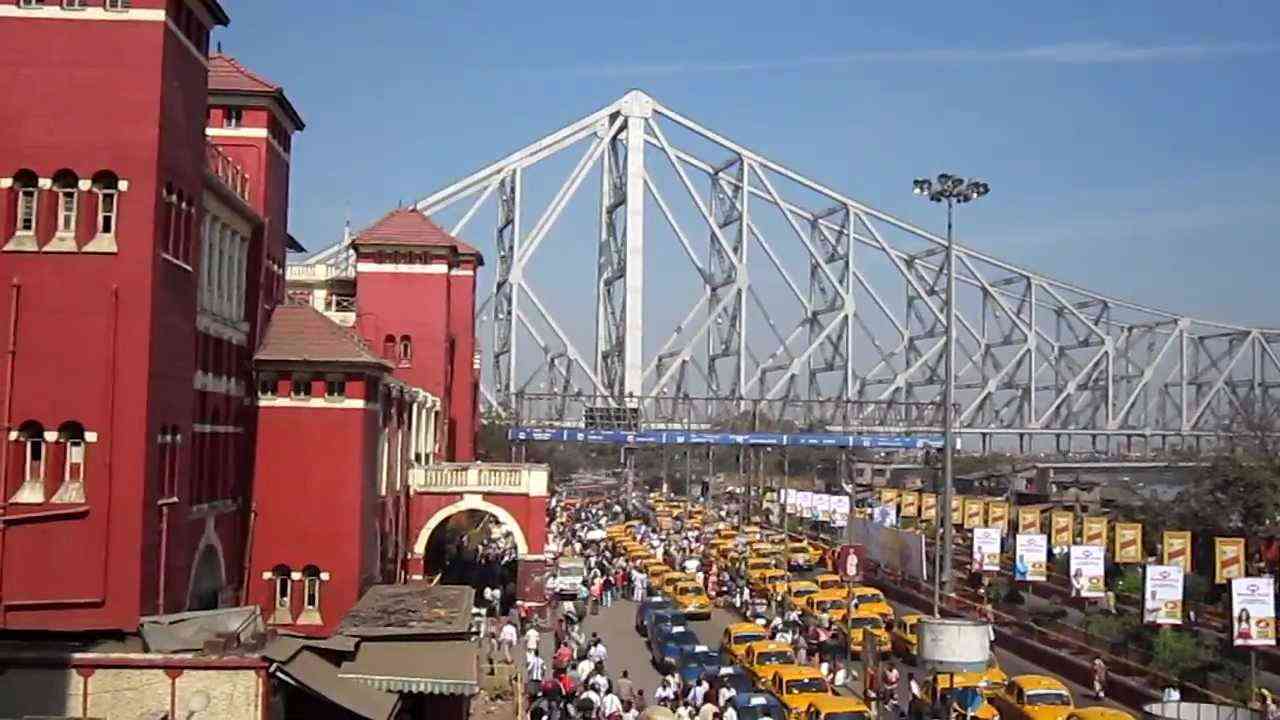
[230,76]
[404,226]
[300,332]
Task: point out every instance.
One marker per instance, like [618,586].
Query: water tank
[953,645]
[1197,711]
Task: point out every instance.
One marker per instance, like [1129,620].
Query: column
[203,284]
[215,267]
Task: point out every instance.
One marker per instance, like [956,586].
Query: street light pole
[950,189]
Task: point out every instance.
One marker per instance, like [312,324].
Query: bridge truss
[812,302]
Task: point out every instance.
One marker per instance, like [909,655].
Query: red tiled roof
[228,75]
[410,227]
[300,332]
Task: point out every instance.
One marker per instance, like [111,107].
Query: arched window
[406,351]
[282,591]
[65,185]
[31,463]
[27,191]
[311,577]
[389,347]
[107,186]
[71,434]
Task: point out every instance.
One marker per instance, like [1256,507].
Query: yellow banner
[888,496]
[1128,543]
[1177,549]
[909,503]
[1062,528]
[998,515]
[1028,521]
[1095,531]
[928,506]
[957,509]
[1228,559]
[973,513]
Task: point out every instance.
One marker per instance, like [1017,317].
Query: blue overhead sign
[760,439]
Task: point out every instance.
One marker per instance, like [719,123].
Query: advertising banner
[840,510]
[909,504]
[1253,611]
[888,496]
[1128,543]
[973,513]
[849,561]
[1088,571]
[822,507]
[804,503]
[1228,559]
[1062,529]
[1028,521]
[928,506]
[886,515]
[986,549]
[1177,549]
[1031,557]
[789,499]
[900,550]
[957,509]
[1094,531]
[1162,598]
[998,515]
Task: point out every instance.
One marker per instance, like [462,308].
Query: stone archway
[472,502]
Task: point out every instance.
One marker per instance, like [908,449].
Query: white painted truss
[810,305]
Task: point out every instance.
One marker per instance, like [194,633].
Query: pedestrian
[507,639]
[598,653]
[1099,678]
[626,688]
[629,711]
[641,703]
[725,694]
[708,710]
[728,712]
[665,694]
[610,707]
[585,667]
[682,712]
[534,667]
[606,590]
[698,693]
[531,638]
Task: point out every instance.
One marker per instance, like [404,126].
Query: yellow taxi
[836,707]
[869,599]
[802,556]
[692,599]
[796,687]
[994,678]
[751,532]
[1099,712]
[736,638]
[862,622]
[825,602]
[672,579]
[1034,697]
[903,636]
[829,582]
[937,690]
[758,581]
[759,563]
[762,657]
[726,533]
[798,590]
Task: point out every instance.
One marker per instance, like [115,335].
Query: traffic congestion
[794,635]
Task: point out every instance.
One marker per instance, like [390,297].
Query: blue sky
[1131,147]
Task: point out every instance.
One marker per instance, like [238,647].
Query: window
[389,347]
[31,4]
[267,386]
[30,436]
[65,183]
[71,434]
[232,118]
[335,388]
[119,5]
[74,4]
[405,355]
[311,588]
[25,182]
[300,387]
[282,589]
[106,184]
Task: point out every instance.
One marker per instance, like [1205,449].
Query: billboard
[998,515]
[888,496]
[1128,543]
[900,550]
[1177,549]
[973,513]
[910,504]
[1228,559]
[840,510]
[957,510]
[1253,611]
[1031,557]
[986,549]
[1062,529]
[1088,571]
[822,507]
[804,503]
[1162,597]
[1028,521]
[928,506]
[1094,531]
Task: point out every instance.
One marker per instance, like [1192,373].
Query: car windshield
[806,685]
[870,597]
[804,591]
[701,657]
[747,637]
[760,712]
[662,604]
[865,623]
[1049,697]
[845,716]
[682,637]
[826,604]
[690,589]
[775,657]
[828,584]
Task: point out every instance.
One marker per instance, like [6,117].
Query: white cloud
[1078,53]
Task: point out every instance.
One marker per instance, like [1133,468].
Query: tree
[1241,482]
[1176,653]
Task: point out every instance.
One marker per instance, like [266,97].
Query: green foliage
[1196,587]
[1176,653]
[1130,581]
[1115,628]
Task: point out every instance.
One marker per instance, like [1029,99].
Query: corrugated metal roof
[428,667]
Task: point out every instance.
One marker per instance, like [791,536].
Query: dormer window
[232,118]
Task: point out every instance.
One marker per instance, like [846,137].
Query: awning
[443,667]
[316,674]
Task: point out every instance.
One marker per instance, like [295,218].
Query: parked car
[695,661]
[667,643]
[757,706]
[646,608]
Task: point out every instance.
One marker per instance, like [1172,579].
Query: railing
[339,303]
[316,272]
[502,478]
[227,170]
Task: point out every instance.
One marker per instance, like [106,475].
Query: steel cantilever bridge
[804,307]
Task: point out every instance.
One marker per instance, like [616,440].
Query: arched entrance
[472,542]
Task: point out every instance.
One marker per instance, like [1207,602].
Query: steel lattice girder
[1034,355]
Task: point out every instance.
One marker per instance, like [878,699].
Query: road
[628,650]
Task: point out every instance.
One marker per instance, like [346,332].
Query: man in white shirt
[534,667]
[729,713]
[698,693]
[598,652]
[682,713]
[507,639]
[665,693]
[726,693]
[531,639]
[600,683]
[610,705]
[708,711]
[585,668]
